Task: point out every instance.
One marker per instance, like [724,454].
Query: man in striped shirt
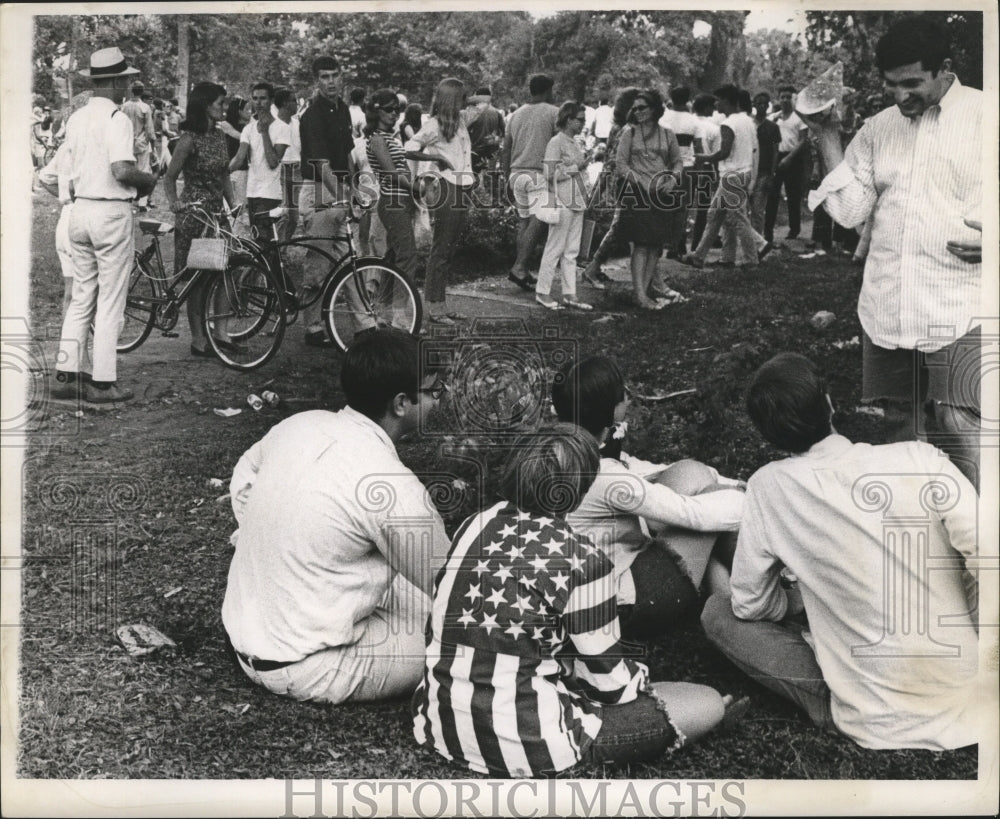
[916,170]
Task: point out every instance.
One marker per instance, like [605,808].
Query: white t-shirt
[740,158]
[684,124]
[709,134]
[793,131]
[264,182]
[603,118]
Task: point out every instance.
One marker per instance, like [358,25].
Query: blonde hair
[551,470]
[446,107]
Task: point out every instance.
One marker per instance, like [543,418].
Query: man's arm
[272,153]
[150,126]
[848,190]
[128,174]
[728,137]
[798,149]
[241,157]
[756,578]
[505,153]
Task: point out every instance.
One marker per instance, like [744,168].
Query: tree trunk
[726,51]
[183,58]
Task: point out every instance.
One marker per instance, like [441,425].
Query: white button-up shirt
[97,135]
[877,537]
[321,501]
[918,179]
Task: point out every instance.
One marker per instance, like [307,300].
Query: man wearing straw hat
[106,181]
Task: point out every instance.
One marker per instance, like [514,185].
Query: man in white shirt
[102,167]
[285,107]
[737,165]
[357,109]
[327,595]
[141,116]
[705,173]
[915,170]
[684,125]
[603,119]
[881,542]
[793,150]
[264,140]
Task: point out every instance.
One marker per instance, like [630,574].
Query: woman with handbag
[567,196]
[649,160]
[445,140]
[201,156]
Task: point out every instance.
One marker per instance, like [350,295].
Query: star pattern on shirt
[515,580]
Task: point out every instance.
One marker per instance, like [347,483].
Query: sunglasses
[392,109]
[436,391]
[640,107]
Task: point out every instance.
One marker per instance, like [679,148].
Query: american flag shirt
[523,647]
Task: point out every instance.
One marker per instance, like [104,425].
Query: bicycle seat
[276,213]
[151,227]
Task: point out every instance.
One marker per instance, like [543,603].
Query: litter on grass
[228,412]
[822,319]
[215,483]
[139,639]
[843,345]
[173,591]
[877,412]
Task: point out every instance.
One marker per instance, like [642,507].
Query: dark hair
[914,39]
[483,91]
[680,97]
[380,365]
[703,105]
[787,402]
[202,95]
[789,88]
[412,116]
[550,470]
[728,93]
[357,96]
[324,63]
[137,89]
[174,102]
[283,95]
[158,103]
[655,102]
[567,111]
[623,103]
[744,101]
[264,86]
[587,393]
[381,99]
[539,84]
[763,94]
[233,112]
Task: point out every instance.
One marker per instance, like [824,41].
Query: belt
[264,665]
[104,199]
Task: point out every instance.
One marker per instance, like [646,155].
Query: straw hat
[108,62]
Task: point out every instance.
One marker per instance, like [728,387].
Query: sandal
[593,281]
[550,304]
[579,305]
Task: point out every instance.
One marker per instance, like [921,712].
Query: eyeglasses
[436,391]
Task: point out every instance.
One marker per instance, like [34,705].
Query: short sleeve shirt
[99,135]
[531,127]
[264,182]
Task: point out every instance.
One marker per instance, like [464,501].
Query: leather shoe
[108,395]
[524,282]
[318,339]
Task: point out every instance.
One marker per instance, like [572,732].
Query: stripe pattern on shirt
[523,647]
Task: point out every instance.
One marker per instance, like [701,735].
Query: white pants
[101,245]
[387,661]
[561,249]
[65,254]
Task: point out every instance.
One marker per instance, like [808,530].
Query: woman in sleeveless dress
[202,158]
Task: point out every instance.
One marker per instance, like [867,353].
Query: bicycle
[359,293]
[244,306]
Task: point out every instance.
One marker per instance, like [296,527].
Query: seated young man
[327,592]
[879,538]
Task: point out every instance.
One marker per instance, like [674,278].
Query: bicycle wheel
[373,295]
[244,317]
[140,310]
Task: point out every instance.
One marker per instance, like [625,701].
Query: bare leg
[694,709]
[196,315]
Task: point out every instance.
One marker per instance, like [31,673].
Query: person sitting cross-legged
[879,540]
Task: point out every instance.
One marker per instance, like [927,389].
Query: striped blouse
[388,186]
[522,647]
[917,179]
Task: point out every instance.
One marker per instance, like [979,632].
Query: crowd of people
[518,636]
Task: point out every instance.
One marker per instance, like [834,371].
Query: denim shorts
[637,731]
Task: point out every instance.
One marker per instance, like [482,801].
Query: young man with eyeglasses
[327,142]
[338,541]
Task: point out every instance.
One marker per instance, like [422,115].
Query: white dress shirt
[321,502]
[98,135]
[918,180]
[877,537]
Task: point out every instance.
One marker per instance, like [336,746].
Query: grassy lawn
[156,549]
